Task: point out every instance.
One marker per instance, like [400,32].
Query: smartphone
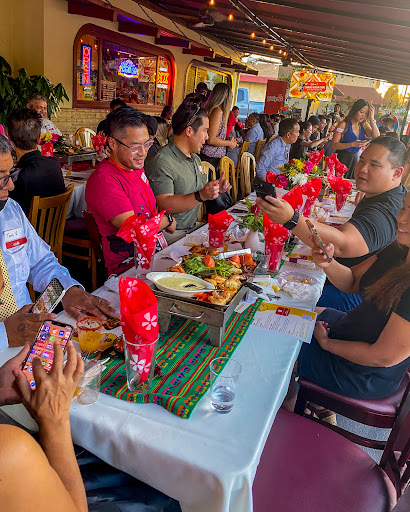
[263,188]
[49,333]
[49,299]
[318,239]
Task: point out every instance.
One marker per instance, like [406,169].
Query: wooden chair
[258,149]
[83,135]
[305,466]
[227,168]
[379,413]
[48,215]
[209,169]
[248,166]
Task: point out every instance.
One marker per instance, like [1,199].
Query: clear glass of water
[224,374]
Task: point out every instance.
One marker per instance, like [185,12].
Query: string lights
[253,35]
[230,17]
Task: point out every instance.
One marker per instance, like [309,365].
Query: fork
[85,354]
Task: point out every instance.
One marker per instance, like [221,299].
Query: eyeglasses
[192,118]
[5,179]
[137,147]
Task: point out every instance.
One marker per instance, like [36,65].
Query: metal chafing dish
[214,316]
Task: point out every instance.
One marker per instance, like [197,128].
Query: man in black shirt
[38,175]
[373,225]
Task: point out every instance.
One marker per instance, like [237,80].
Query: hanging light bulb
[285,53]
[230,17]
[271,47]
[263,41]
[211,2]
[253,35]
[280,52]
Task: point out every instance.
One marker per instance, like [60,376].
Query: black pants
[350,160]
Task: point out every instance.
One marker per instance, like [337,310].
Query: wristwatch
[170,219]
[290,224]
[198,197]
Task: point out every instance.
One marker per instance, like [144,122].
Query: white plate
[154,276]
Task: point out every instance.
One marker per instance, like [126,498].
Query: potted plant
[253,221]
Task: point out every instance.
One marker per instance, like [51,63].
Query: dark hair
[263,121]
[5,146]
[383,130]
[397,150]
[304,125]
[121,118]
[275,117]
[24,128]
[117,102]
[321,117]
[165,110]
[202,87]
[395,135]
[235,108]
[357,105]
[388,121]
[36,96]
[189,113]
[314,121]
[239,130]
[287,125]
[255,116]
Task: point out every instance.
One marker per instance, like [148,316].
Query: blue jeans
[332,297]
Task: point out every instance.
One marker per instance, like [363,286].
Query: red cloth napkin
[316,156]
[47,149]
[311,189]
[335,167]
[279,180]
[275,238]
[143,232]
[341,188]
[139,321]
[294,197]
[98,142]
[217,227]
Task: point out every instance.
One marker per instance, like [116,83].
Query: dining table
[77,200]
[208,461]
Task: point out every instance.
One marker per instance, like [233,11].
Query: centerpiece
[297,172]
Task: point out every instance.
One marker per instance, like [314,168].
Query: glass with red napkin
[275,239]
[311,189]
[294,197]
[144,233]
[47,149]
[217,227]
[139,321]
[334,166]
[316,156]
[98,142]
[341,188]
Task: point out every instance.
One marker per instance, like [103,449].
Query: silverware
[85,354]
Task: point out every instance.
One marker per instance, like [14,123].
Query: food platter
[163,281]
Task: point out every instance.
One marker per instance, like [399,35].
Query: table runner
[183,358]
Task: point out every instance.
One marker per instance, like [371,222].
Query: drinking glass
[89,333]
[89,386]
[224,374]
[140,365]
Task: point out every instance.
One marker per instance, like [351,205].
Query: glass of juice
[89,333]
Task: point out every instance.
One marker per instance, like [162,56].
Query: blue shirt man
[276,152]
[254,132]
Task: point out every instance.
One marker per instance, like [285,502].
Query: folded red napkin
[139,321]
[311,189]
[275,238]
[98,142]
[335,167]
[294,197]
[341,188]
[217,227]
[47,149]
[143,232]
[316,156]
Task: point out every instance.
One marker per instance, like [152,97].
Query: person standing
[38,103]
[350,134]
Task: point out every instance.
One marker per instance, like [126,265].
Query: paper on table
[293,322]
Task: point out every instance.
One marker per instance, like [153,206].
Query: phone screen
[43,347]
[49,299]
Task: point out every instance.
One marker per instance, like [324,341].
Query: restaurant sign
[86,64]
[163,78]
[312,86]
[128,69]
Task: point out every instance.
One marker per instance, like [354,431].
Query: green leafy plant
[253,219]
[15,91]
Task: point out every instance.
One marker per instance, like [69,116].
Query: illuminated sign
[163,79]
[86,65]
[128,69]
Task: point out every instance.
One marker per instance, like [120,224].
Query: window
[240,96]
[196,74]
[109,65]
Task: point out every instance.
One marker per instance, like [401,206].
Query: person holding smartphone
[38,476]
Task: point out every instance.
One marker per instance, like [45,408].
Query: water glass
[89,385]
[224,374]
[140,365]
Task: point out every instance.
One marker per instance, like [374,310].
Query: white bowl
[154,276]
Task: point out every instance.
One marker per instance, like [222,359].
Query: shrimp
[212,281]
[232,284]
[220,297]
[218,279]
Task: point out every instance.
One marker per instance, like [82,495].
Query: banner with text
[312,86]
[275,96]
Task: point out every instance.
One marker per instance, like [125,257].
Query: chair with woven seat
[48,216]
[83,135]
[379,413]
[244,148]
[227,168]
[248,166]
[258,149]
[305,466]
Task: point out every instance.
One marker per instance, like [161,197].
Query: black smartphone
[263,188]
[318,239]
[49,299]
[49,333]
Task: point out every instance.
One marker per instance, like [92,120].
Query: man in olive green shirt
[175,173]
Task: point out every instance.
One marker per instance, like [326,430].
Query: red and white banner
[275,96]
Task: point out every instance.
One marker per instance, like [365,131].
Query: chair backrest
[48,215]
[209,169]
[95,237]
[395,459]
[248,166]
[227,168]
[258,149]
[271,138]
[84,137]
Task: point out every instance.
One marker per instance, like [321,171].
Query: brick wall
[68,120]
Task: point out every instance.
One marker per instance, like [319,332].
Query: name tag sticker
[14,238]
[144,178]
[200,169]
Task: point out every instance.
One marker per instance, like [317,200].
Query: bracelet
[374,121]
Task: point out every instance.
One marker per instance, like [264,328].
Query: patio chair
[244,148]
[227,168]
[258,149]
[248,166]
[83,135]
[379,413]
[305,466]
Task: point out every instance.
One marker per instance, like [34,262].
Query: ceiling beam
[91,10]
[200,52]
[138,28]
[220,59]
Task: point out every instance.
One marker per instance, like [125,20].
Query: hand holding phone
[263,188]
[317,239]
[49,299]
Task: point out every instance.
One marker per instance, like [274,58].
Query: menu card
[293,322]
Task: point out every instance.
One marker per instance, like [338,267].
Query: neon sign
[86,65]
[128,69]
[163,79]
